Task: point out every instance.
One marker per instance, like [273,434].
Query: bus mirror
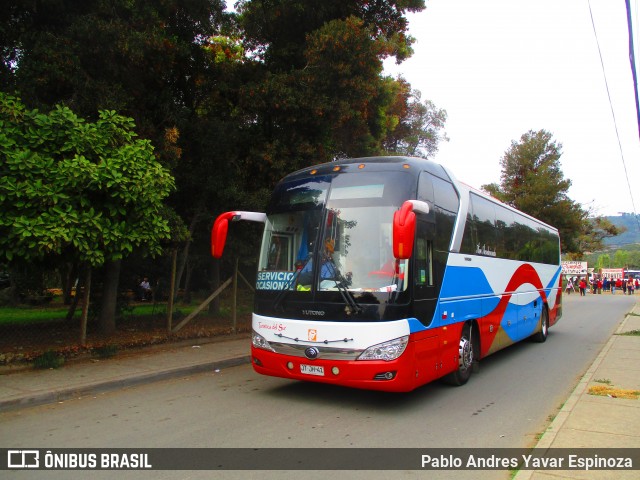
[219,233]
[221,226]
[404,231]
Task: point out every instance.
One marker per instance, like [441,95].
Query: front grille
[325,353]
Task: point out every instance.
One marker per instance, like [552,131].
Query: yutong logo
[311,353]
[315,313]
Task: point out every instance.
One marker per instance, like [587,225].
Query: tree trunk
[71,275]
[214,306]
[85,304]
[107,318]
[174,260]
[185,252]
[186,296]
[74,302]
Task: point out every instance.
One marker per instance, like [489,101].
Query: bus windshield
[333,233]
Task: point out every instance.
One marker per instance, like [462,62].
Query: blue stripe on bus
[415,325]
[464,281]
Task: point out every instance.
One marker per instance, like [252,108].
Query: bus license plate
[312,370]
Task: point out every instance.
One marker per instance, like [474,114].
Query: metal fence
[24,339]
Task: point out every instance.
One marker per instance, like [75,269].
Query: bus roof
[390,162]
[374,164]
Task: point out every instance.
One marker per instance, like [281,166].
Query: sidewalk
[593,421]
[584,421]
[29,388]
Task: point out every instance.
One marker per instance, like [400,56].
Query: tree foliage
[137,58]
[420,125]
[532,181]
[89,191]
[230,101]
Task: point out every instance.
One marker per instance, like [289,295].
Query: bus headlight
[260,342]
[386,351]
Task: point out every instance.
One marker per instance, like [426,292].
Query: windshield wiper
[341,284]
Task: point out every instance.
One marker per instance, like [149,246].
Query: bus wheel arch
[468,355]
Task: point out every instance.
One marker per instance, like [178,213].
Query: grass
[630,333]
[24,315]
[603,380]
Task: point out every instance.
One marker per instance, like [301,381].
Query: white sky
[503,67]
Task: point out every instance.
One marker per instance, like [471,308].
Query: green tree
[231,101]
[74,189]
[307,88]
[143,59]
[594,232]
[139,58]
[604,261]
[316,90]
[420,125]
[532,181]
[621,259]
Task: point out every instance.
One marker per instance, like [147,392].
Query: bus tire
[543,333]
[466,358]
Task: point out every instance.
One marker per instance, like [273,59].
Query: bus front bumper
[393,376]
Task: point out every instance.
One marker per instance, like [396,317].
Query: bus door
[424,288]
[428,349]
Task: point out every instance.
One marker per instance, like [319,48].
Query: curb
[558,422]
[109,385]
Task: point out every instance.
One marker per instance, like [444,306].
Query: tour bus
[386,273]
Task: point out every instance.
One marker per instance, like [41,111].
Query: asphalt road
[506,404]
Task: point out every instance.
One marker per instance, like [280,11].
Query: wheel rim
[465,353]
[545,325]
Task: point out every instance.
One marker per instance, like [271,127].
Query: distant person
[617,285]
[145,290]
[583,287]
[570,287]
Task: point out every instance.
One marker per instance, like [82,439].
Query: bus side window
[423,274]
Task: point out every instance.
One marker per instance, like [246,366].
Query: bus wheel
[466,357]
[541,336]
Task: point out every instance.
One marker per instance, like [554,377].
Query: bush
[105,351]
[48,359]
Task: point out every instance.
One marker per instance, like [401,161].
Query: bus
[386,273]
